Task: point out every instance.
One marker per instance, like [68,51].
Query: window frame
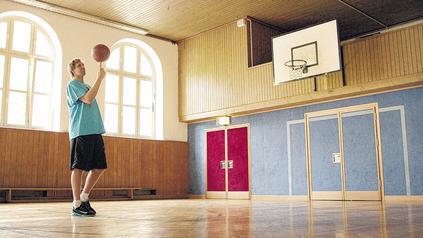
[32,58]
[121,74]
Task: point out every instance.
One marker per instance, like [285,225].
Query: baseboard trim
[192,196]
[299,198]
[416,198]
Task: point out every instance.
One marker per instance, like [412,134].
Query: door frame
[345,195]
[227,194]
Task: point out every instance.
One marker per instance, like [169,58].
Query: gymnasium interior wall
[278,148]
[77,37]
[35,159]
[215,80]
[385,68]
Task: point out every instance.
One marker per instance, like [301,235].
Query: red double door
[228,163]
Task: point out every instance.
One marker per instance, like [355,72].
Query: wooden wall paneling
[134,153]
[147,170]
[124,162]
[353,67]
[390,53]
[367,70]
[331,80]
[111,152]
[348,56]
[397,55]
[374,70]
[358,63]
[110,149]
[14,179]
[362,62]
[3,157]
[6,137]
[52,159]
[39,170]
[381,58]
[414,49]
[58,157]
[402,55]
[168,164]
[17,177]
[64,161]
[419,35]
[348,63]
[7,157]
[413,45]
[160,168]
[116,179]
[223,82]
[39,159]
[393,55]
[407,44]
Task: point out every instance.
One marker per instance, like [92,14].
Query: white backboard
[317,45]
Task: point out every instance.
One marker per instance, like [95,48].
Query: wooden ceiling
[179,19]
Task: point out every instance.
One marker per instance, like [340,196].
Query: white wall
[78,37]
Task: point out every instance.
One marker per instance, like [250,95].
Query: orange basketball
[100,53]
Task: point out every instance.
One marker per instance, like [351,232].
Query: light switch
[336,158]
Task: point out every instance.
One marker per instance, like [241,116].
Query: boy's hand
[101,74]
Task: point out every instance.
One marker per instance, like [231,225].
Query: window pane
[128,120]
[146,66]
[21,36]
[43,73]
[42,46]
[129,91]
[3,34]
[113,61]
[19,74]
[146,122]
[111,118]
[16,108]
[146,97]
[130,60]
[112,88]
[40,110]
[1,70]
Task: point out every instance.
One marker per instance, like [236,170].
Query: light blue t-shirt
[84,119]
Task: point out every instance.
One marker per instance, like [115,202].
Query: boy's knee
[98,171]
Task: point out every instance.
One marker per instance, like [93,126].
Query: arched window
[27,72]
[130,92]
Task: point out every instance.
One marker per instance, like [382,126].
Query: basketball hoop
[298,68]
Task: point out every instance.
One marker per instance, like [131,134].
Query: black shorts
[87,153]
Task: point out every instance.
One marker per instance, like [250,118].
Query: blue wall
[276,173]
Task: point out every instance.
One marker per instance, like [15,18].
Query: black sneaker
[87,205]
[81,211]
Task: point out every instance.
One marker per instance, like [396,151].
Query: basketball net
[296,68]
[296,71]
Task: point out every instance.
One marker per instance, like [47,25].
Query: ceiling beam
[363,13]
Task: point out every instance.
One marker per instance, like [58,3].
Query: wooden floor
[214,218]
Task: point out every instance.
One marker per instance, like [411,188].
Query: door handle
[222,164]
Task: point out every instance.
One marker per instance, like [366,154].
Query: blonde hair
[72,64]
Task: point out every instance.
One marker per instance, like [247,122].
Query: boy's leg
[92,179]
[90,182]
[76,178]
